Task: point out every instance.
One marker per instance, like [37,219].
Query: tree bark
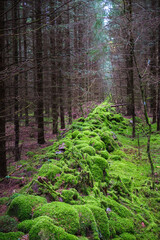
[158,100]
[3,162]
[153,101]
[39,73]
[59,67]
[68,68]
[25,73]
[54,90]
[16,81]
[130,73]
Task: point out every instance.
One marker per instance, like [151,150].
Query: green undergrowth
[93,183]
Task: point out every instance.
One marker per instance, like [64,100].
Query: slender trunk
[81,79]
[25,73]
[68,68]
[59,67]
[20,75]
[3,162]
[153,101]
[16,82]
[54,90]
[130,78]
[158,100]
[140,78]
[39,74]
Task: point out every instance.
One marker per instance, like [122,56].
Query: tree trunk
[153,102]
[25,73]
[68,68]
[158,101]
[16,82]
[3,162]
[130,75]
[54,90]
[59,67]
[39,73]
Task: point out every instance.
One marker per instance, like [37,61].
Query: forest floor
[133,164]
[18,176]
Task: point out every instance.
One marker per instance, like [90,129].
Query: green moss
[97,173]
[97,144]
[117,118]
[69,179]
[63,215]
[100,162]
[11,235]
[22,206]
[44,229]
[147,236]
[127,236]
[70,195]
[88,149]
[91,134]
[116,207]
[4,200]
[102,221]
[104,154]
[81,145]
[26,225]
[120,153]
[7,224]
[107,138]
[82,238]
[49,171]
[88,226]
[120,188]
[120,225]
[75,134]
[115,158]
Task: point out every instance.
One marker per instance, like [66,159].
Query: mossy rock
[75,134]
[11,235]
[100,162]
[107,138]
[120,225]
[67,180]
[26,225]
[63,215]
[91,134]
[101,220]
[82,238]
[23,205]
[7,224]
[97,144]
[89,150]
[49,170]
[81,145]
[97,173]
[45,229]
[88,226]
[127,236]
[104,154]
[70,195]
[4,200]
[66,143]
[117,118]
[116,207]
[115,158]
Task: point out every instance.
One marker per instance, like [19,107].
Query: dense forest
[79,119]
